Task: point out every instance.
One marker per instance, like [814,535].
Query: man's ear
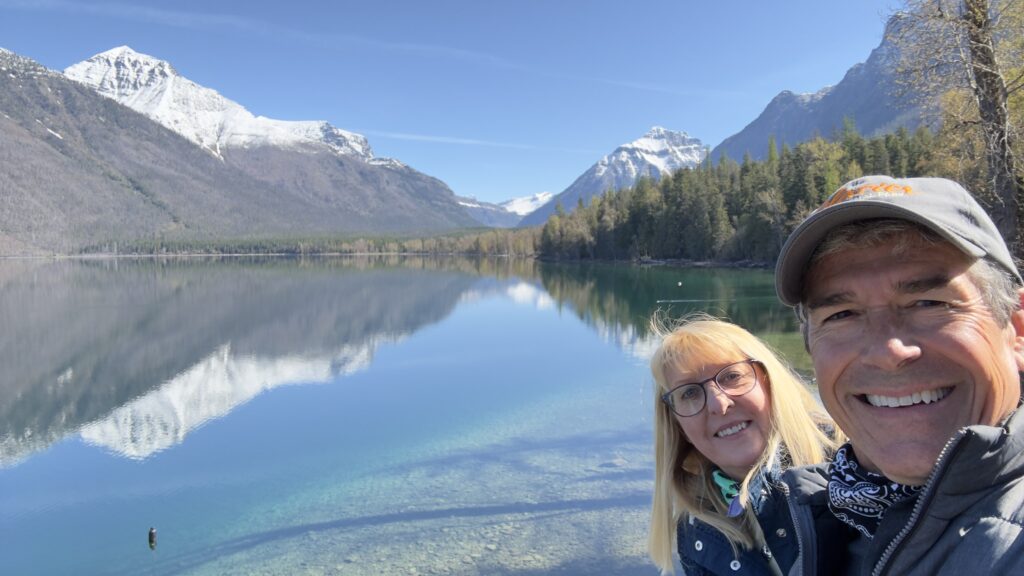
[1017,322]
[801,317]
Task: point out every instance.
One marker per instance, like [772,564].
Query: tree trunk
[990,91]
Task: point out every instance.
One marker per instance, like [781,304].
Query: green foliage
[730,211]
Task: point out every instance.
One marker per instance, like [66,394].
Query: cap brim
[799,247]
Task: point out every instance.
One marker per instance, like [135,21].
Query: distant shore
[672,262]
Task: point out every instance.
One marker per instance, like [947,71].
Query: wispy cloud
[470,141]
[192,20]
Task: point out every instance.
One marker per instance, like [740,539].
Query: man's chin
[911,470]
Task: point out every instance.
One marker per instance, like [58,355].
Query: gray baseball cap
[940,205]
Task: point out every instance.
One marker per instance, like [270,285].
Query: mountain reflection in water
[338,415]
[183,341]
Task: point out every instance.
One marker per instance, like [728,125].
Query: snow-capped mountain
[526,204]
[154,88]
[506,214]
[656,153]
[86,171]
[488,213]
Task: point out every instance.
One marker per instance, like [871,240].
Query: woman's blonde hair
[683,485]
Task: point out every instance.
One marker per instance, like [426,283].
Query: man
[910,304]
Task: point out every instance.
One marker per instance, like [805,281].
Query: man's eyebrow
[914,286]
[919,285]
[833,299]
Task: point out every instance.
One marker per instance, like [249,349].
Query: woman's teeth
[926,397]
[732,430]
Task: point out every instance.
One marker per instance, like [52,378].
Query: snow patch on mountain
[15,66]
[487,213]
[154,88]
[526,204]
[813,97]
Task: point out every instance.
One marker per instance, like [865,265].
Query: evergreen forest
[733,211]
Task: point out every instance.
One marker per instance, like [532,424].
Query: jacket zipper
[805,554]
[929,486]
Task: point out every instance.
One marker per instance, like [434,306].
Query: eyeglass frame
[667,396]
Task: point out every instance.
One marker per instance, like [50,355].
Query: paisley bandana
[858,497]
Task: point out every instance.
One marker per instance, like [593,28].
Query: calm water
[337,416]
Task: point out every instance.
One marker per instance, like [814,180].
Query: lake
[378,415]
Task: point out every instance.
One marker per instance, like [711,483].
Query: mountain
[489,214]
[154,88]
[78,169]
[658,152]
[865,94]
[526,204]
[506,214]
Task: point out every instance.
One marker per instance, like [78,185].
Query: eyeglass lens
[735,380]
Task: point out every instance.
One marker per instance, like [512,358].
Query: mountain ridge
[83,171]
[866,95]
[155,88]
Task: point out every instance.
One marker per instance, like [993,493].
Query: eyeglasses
[734,380]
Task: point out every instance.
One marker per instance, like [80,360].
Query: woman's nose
[718,402]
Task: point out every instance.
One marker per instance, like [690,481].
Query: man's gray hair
[997,286]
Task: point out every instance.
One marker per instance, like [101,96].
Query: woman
[729,415]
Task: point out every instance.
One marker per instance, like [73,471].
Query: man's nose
[888,343]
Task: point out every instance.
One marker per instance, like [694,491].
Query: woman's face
[731,431]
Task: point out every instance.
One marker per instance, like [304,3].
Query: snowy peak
[658,138]
[527,204]
[154,88]
[123,72]
[659,149]
[657,153]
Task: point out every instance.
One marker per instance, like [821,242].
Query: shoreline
[670,262]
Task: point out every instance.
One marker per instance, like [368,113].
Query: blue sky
[497,98]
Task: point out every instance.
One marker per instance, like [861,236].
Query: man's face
[906,353]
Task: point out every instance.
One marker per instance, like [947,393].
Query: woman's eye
[689,393]
[728,377]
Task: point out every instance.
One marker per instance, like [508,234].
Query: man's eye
[841,315]
[927,303]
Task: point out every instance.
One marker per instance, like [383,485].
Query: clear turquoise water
[347,416]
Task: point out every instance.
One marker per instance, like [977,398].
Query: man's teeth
[926,397]
[732,430]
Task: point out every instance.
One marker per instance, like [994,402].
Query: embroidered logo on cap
[851,192]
